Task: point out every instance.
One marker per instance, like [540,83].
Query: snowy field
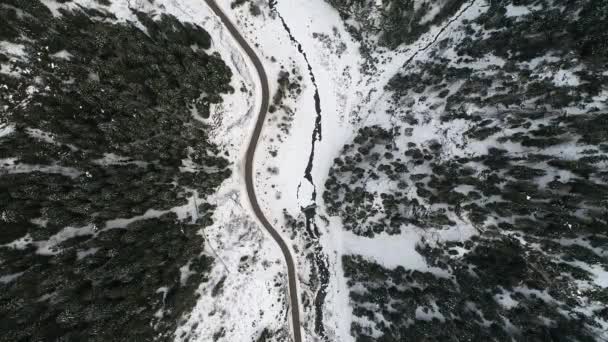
[348,97]
[245,294]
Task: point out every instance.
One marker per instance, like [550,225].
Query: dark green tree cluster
[373,157]
[288,88]
[395,21]
[562,26]
[516,153]
[102,120]
[500,290]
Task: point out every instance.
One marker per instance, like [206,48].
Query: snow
[254,294]
[249,300]
[598,271]
[534,293]
[6,130]
[428,314]
[510,328]
[505,300]
[5,279]
[53,6]
[471,306]
[347,97]
[114,159]
[12,166]
[195,114]
[460,252]
[10,70]
[582,241]
[120,8]
[431,14]
[293,150]
[516,11]
[185,273]
[535,62]
[564,78]
[81,254]
[46,137]
[39,222]
[63,54]
[246,259]
[48,247]
[388,250]
[13,50]
[150,213]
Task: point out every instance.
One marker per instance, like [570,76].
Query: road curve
[291,270]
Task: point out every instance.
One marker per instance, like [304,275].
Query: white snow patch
[6,130]
[505,300]
[250,299]
[599,272]
[53,6]
[40,222]
[431,14]
[347,98]
[81,254]
[11,166]
[10,70]
[388,250]
[184,273]
[516,11]
[564,78]
[114,159]
[425,313]
[13,50]
[5,279]
[63,54]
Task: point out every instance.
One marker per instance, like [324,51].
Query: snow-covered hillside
[437,167]
[461,165]
[487,156]
[124,218]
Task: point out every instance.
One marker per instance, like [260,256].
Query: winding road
[249,169]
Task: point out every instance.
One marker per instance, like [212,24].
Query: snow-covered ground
[246,291]
[348,96]
[245,294]
[335,76]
